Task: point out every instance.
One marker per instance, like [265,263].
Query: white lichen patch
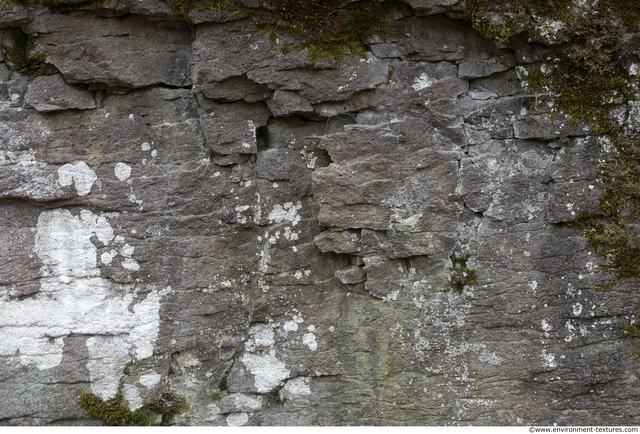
[423,82]
[242,219]
[548,360]
[107,356]
[242,402]
[132,396]
[309,339]
[548,31]
[287,212]
[268,372]
[107,257]
[74,298]
[490,358]
[262,335]
[577,309]
[290,326]
[129,263]
[150,380]
[122,171]
[311,158]
[187,359]
[80,173]
[237,419]
[298,386]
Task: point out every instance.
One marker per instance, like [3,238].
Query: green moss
[460,275]
[24,58]
[215,395]
[114,411]
[328,29]
[10,4]
[183,7]
[504,19]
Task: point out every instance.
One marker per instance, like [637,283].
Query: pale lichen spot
[268,372]
[150,380]
[122,171]
[423,82]
[309,339]
[237,419]
[80,173]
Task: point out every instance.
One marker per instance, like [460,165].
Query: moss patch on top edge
[328,29]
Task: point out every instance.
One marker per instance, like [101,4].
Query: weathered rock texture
[227,217]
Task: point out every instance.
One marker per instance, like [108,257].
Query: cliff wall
[185,211]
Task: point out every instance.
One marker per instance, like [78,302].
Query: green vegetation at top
[326,28]
[57,5]
[503,19]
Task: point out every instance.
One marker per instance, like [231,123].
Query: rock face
[274,240]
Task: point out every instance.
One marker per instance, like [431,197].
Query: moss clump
[183,7]
[328,29]
[24,58]
[10,3]
[503,19]
[215,395]
[114,411]
[460,275]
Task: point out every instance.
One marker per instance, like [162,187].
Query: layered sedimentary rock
[274,240]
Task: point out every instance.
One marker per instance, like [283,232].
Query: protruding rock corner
[199,222]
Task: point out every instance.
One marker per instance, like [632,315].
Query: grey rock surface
[51,93]
[273,239]
[129,52]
